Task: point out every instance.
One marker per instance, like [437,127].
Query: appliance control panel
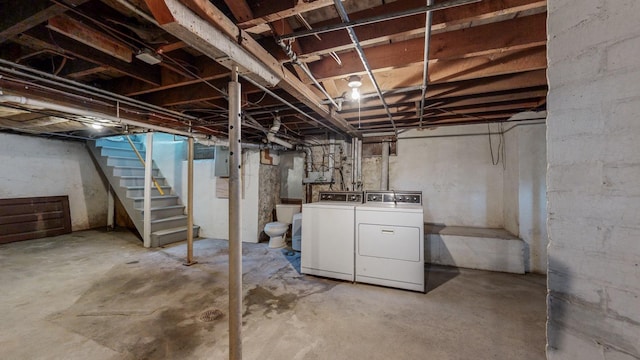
[394,197]
[342,196]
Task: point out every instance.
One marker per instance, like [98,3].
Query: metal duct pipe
[425,67]
[271,136]
[235,220]
[74,85]
[71,110]
[384,171]
[363,59]
[294,59]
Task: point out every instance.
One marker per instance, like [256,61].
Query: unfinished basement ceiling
[487,62]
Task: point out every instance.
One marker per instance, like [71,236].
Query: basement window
[203,152]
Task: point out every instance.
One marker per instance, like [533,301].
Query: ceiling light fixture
[354,83]
[96,126]
[149,57]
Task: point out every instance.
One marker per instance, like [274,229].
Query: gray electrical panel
[221,160]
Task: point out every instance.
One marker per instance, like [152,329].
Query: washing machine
[328,235]
[390,240]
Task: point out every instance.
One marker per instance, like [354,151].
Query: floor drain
[211,315]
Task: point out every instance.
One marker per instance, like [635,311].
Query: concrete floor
[100,295]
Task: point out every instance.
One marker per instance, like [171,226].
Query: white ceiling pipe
[80,112]
[271,136]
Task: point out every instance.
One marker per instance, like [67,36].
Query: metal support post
[190,260]
[235,221]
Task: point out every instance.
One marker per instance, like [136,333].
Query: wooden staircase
[121,166]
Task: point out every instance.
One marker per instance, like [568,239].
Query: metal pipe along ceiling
[425,68]
[363,59]
[377,19]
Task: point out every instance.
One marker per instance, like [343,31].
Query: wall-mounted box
[221,160]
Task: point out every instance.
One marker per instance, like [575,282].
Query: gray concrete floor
[100,295]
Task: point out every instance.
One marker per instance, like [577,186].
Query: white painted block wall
[453,169]
[594,179]
[31,166]
[209,212]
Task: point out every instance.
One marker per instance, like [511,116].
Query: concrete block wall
[593,181]
[31,166]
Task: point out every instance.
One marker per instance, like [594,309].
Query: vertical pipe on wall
[359,165]
[353,164]
[148,178]
[384,173]
[190,260]
[235,220]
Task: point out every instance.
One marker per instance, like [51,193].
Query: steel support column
[235,220]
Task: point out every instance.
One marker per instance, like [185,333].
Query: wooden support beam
[240,10]
[487,39]
[47,39]
[204,67]
[173,17]
[270,11]
[87,35]
[20,16]
[534,80]
[443,20]
[79,68]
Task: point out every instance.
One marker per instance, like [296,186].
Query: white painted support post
[148,168]
[111,209]
[235,221]
[190,260]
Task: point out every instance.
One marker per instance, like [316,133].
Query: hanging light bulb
[355,95]
[354,83]
[96,126]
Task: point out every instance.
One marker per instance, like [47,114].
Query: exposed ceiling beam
[207,38]
[271,11]
[87,35]
[46,39]
[510,82]
[444,20]
[20,16]
[486,39]
[204,67]
[240,10]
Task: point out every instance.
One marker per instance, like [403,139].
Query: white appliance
[390,240]
[296,232]
[328,235]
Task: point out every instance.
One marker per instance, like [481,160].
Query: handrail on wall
[143,164]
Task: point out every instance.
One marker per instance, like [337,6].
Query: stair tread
[141,187]
[171,218]
[163,207]
[173,230]
[154,197]
[138,177]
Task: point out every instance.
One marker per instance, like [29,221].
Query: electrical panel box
[221,159]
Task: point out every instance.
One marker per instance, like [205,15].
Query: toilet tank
[284,212]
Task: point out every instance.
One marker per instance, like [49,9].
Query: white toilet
[278,229]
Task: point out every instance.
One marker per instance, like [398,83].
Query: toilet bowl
[277,230]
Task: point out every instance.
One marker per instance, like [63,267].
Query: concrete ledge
[475,248]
